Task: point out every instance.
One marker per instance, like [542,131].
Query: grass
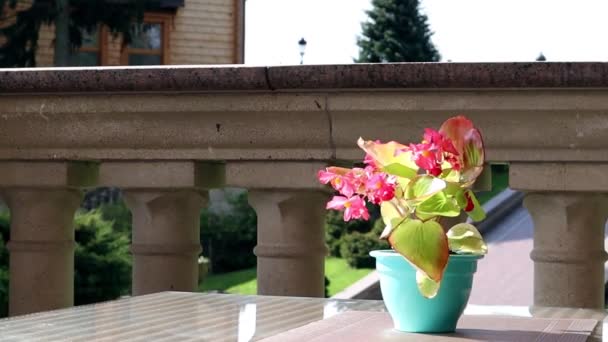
[500,181]
[231,280]
[244,281]
[341,275]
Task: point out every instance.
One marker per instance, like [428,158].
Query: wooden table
[178,316]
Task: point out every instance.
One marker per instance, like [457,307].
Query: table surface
[182,316]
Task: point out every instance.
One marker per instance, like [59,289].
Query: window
[150,41]
[91,51]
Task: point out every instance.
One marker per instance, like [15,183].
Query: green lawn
[244,282]
[341,275]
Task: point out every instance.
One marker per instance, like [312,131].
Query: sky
[464,30]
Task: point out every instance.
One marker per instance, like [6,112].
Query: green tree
[119,215]
[396,32]
[541,58]
[228,238]
[72,18]
[102,262]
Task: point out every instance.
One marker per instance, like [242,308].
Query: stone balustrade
[166,135]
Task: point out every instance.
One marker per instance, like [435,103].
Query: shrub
[102,261]
[119,215]
[355,248]
[378,228]
[228,238]
[336,228]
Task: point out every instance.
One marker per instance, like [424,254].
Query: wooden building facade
[182,32]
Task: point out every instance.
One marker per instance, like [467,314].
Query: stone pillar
[290,206]
[165,199]
[567,203]
[42,198]
[568,249]
[291,242]
[166,239]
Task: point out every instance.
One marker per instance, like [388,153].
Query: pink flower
[454,160]
[432,151]
[438,139]
[427,156]
[370,161]
[325,176]
[354,207]
[340,179]
[380,187]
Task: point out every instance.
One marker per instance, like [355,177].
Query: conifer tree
[541,58]
[396,32]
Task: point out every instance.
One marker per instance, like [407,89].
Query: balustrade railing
[167,135]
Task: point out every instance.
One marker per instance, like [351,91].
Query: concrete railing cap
[204,78]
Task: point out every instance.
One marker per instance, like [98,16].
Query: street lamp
[302,45]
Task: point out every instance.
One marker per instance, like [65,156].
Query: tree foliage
[396,32]
[228,238]
[21,38]
[541,58]
[101,260]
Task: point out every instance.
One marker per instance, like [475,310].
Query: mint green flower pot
[410,311]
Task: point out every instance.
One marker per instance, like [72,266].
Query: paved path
[505,275]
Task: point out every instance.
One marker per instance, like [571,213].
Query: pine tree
[396,32]
[541,58]
[20,22]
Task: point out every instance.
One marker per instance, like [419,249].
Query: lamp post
[302,45]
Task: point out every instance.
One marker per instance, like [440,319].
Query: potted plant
[426,278]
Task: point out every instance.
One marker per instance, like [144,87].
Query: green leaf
[424,216]
[438,205]
[423,244]
[427,286]
[450,175]
[452,188]
[468,202]
[464,238]
[400,170]
[391,216]
[423,187]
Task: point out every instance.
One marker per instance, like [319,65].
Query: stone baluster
[42,197]
[165,199]
[569,214]
[290,207]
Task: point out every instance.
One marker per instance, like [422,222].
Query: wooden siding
[44,55]
[202,32]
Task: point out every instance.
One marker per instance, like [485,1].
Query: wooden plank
[189,36]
